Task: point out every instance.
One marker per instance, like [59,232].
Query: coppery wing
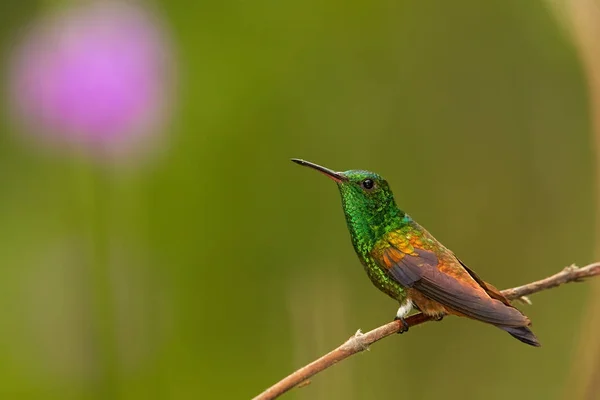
[490,289]
[419,270]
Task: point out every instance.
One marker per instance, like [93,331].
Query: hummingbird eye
[367,184]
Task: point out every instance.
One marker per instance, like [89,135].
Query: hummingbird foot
[404,327]
[438,317]
[403,311]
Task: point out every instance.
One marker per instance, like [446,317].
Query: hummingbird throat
[369,219]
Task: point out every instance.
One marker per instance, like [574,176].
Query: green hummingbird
[408,264]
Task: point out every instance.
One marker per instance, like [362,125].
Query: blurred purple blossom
[94,76]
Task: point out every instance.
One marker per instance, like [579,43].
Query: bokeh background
[155,241]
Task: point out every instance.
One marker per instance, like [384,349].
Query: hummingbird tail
[522,333]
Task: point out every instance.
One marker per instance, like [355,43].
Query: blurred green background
[220,267]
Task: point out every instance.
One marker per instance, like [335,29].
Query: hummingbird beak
[336,176]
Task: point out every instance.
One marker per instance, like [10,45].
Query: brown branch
[360,342]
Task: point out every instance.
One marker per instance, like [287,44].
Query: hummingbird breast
[382,280]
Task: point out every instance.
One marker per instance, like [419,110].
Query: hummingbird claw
[438,317]
[404,327]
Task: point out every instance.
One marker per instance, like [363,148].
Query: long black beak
[336,176]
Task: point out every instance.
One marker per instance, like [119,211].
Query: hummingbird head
[368,203]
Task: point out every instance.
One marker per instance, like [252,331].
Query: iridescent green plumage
[408,264]
[367,226]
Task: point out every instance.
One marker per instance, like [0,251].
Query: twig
[361,341]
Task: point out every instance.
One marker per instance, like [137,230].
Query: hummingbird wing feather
[490,289]
[419,270]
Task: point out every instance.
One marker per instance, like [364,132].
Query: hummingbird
[407,263]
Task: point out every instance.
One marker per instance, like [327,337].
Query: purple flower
[95,76]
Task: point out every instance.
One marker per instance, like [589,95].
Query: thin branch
[361,341]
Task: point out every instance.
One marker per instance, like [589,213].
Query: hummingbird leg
[404,324]
[438,317]
[403,311]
